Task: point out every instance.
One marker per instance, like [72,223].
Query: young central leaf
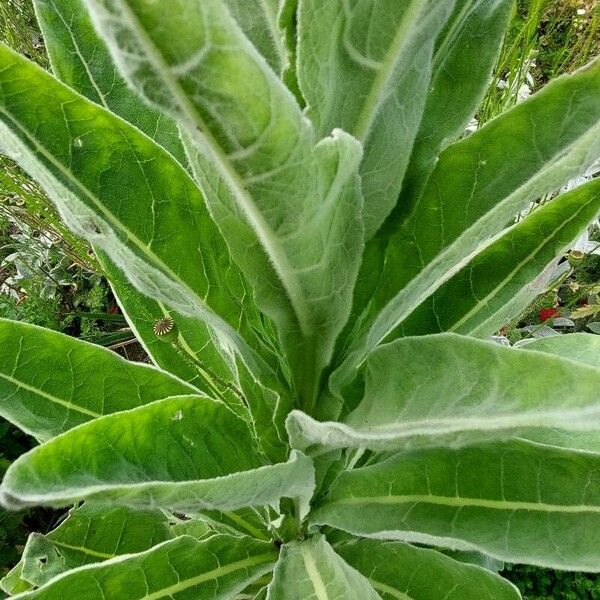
[289,205]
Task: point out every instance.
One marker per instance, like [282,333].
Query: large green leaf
[50,382]
[474,192]
[448,389]
[80,59]
[181,569]
[517,502]
[380,54]
[311,569]
[91,534]
[185,453]
[503,280]
[464,57]
[404,572]
[288,204]
[121,191]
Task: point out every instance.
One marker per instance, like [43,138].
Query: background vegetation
[50,278]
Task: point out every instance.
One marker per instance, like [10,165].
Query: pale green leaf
[473,193]
[80,59]
[288,204]
[380,54]
[192,356]
[180,569]
[580,347]
[122,192]
[91,534]
[447,389]
[517,502]
[311,570]
[403,572]
[186,453]
[50,382]
[12,583]
[508,275]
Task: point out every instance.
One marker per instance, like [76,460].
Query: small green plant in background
[315,275]
[546,39]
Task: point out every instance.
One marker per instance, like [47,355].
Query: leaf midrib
[210,575]
[195,125]
[312,571]
[520,265]
[438,259]
[381,82]
[81,549]
[387,589]
[462,502]
[50,397]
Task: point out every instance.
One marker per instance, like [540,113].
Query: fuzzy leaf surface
[380,54]
[185,453]
[311,570]
[580,347]
[288,202]
[259,21]
[181,569]
[404,572]
[455,390]
[462,64]
[50,382]
[517,502]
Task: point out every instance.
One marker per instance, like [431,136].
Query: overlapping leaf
[462,66]
[91,534]
[380,54]
[504,279]
[183,569]
[312,569]
[447,390]
[118,189]
[196,354]
[400,571]
[50,382]
[517,502]
[186,453]
[473,193]
[82,61]
[259,21]
[288,204]
[580,347]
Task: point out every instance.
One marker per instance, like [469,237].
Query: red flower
[547,313]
